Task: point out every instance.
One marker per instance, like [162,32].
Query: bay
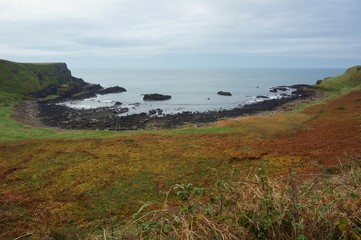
[192,89]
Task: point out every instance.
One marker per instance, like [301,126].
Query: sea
[192,90]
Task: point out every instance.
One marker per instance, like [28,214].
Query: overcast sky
[182,33]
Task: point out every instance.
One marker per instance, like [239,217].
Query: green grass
[335,87]
[27,78]
[11,130]
[343,84]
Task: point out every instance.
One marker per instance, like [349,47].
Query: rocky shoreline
[108,118]
[42,113]
[45,108]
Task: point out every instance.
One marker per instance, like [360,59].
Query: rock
[152,112]
[319,82]
[156,97]
[297,86]
[124,110]
[157,111]
[224,93]
[69,89]
[118,104]
[93,87]
[280,88]
[109,90]
[51,89]
[303,92]
[262,97]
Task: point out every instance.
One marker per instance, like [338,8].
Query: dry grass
[323,206]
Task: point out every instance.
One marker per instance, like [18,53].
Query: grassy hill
[246,176]
[28,78]
[342,84]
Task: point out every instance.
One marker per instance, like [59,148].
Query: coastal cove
[193,90]
[81,176]
[127,110]
[180,120]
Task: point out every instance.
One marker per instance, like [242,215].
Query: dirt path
[26,113]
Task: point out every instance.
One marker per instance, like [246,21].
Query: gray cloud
[126,29]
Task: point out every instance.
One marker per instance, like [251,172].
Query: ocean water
[192,90]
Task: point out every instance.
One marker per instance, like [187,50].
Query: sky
[182,33]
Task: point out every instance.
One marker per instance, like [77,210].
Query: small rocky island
[156,97]
[224,93]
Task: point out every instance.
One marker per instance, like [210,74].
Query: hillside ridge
[48,81]
[29,78]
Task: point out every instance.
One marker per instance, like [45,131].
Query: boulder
[264,97]
[273,90]
[93,87]
[156,97]
[298,86]
[152,112]
[224,93]
[109,90]
[280,88]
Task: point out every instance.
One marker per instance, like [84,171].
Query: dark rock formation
[305,92]
[93,88]
[51,89]
[157,111]
[224,93]
[67,90]
[280,88]
[156,97]
[319,82]
[109,90]
[273,90]
[298,86]
[265,97]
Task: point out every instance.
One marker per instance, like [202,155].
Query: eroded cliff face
[29,78]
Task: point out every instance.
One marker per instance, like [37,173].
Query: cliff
[29,78]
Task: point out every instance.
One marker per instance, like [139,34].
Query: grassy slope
[62,184]
[26,78]
[343,84]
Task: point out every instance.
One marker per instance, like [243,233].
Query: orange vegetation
[83,182]
[332,133]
